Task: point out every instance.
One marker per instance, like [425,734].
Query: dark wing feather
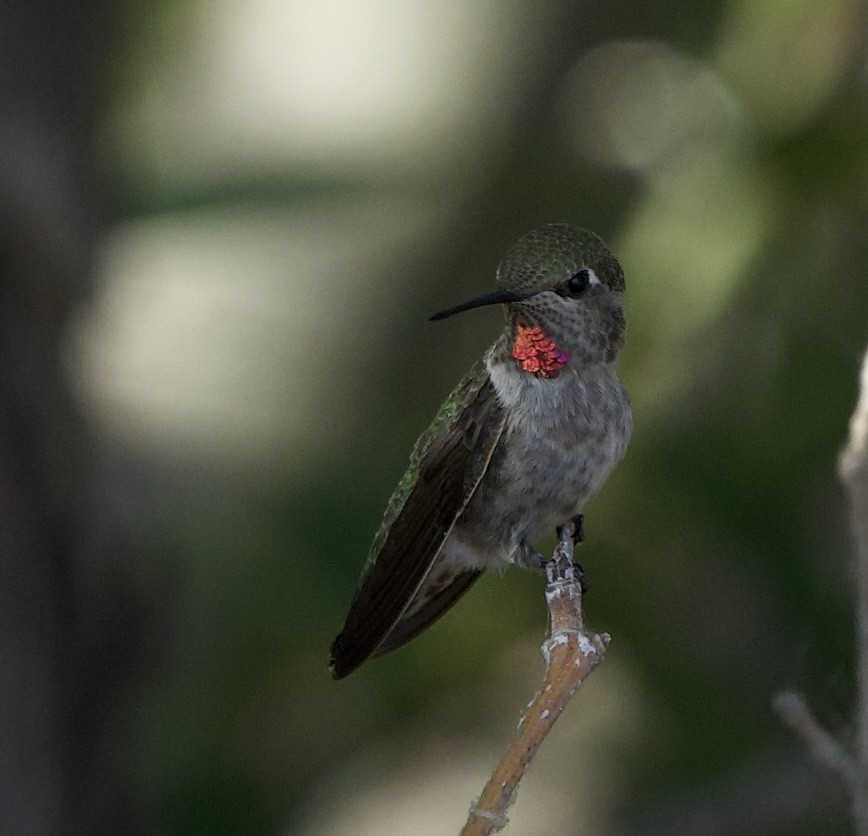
[445,467]
[411,625]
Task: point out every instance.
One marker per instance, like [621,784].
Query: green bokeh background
[254,364]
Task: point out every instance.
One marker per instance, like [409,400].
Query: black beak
[498,297]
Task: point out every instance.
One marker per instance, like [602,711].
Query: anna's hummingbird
[520,446]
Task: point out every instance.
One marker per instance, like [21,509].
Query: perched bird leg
[578,535]
[580,577]
[578,529]
[529,558]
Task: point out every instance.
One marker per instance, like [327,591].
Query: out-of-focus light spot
[634,104]
[783,57]
[369,85]
[226,334]
[705,208]
[687,246]
[691,236]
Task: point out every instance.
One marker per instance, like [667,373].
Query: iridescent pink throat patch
[537,353]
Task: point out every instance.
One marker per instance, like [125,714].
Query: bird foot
[578,537]
[578,529]
[580,577]
[530,558]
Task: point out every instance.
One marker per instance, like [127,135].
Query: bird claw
[531,559]
[578,522]
[578,529]
[580,577]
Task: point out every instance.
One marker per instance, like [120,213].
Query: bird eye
[578,284]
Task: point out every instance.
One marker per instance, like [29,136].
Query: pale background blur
[225,225]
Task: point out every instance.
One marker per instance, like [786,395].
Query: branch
[853,470]
[852,767]
[570,654]
[794,711]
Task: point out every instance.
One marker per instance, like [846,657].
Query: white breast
[565,434]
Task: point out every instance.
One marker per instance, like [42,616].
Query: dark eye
[576,285]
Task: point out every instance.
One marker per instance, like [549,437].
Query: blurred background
[222,228]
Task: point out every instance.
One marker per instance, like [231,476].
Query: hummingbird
[527,437]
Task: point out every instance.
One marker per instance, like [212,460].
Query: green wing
[446,465]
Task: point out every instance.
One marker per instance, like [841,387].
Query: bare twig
[853,767]
[794,711]
[570,654]
[853,470]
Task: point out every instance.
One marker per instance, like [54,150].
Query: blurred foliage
[268,364]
